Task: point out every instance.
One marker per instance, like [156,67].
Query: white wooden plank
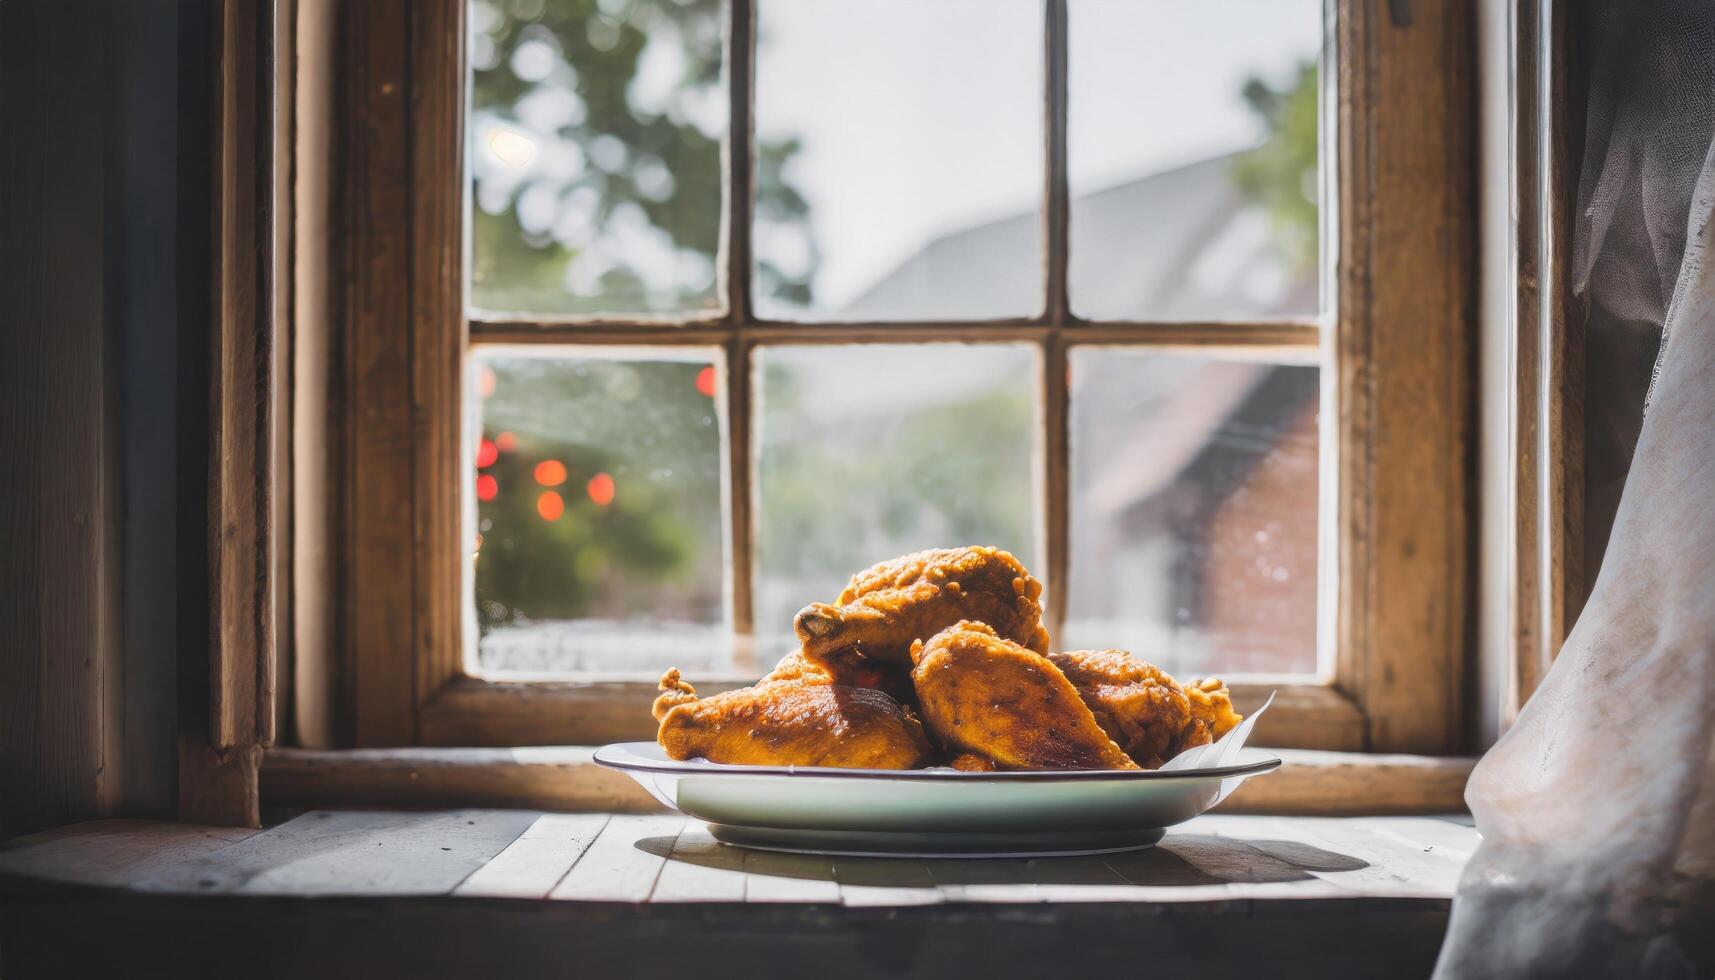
[777,877]
[866,882]
[533,864]
[700,869]
[1446,838]
[113,853]
[1344,852]
[353,853]
[624,861]
[1166,873]
[1251,869]
[1081,879]
[998,880]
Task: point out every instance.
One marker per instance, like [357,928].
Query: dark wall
[104,299]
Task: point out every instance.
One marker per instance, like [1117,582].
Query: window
[1158,303]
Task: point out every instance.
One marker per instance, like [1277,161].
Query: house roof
[1177,245]
[1180,244]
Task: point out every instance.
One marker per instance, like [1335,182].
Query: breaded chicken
[988,701]
[1148,713]
[1212,713]
[889,606]
[789,722]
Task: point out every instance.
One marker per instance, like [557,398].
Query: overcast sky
[920,117]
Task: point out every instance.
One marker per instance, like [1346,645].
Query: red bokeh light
[507,441]
[550,505]
[706,381]
[486,453]
[485,382]
[601,489]
[487,487]
[550,472]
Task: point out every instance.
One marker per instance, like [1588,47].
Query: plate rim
[604,757]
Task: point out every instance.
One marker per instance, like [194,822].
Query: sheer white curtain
[1598,807]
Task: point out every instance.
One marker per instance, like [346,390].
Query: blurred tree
[1281,175]
[603,193]
[596,158]
[633,456]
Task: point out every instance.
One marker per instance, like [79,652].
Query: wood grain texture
[163,531]
[1528,585]
[437,338]
[112,853]
[1220,897]
[373,269]
[739,497]
[1054,398]
[241,393]
[351,853]
[1547,376]
[282,185]
[318,449]
[564,778]
[624,862]
[700,869]
[1212,860]
[556,779]
[61,676]
[771,876]
[1403,345]
[399,278]
[533,864]
[218,786]
[1312,783]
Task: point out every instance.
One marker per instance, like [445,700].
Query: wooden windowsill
[522,893]
[563,778]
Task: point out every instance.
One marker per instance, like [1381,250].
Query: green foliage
[1281,174]
[598,55]
[654,550]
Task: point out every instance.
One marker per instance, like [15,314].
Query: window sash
[1055,329]
[1394,344]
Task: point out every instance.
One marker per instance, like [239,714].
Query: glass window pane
[598,511]
[1192,149]
[899,159]
[595,134]
[1194,511]
[866,452]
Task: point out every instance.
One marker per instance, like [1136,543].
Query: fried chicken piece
[969,762]
[1146,712]
[789,722]
[847,669]
[888,606]
[1141,708]
[1212,713]
[986,698]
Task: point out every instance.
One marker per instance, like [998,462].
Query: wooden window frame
[1396,353]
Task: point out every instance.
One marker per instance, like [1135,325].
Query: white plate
[931,812]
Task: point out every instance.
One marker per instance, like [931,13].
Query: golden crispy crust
[1143,709]
[1212,713]
[957,634]
[1140,707]
[793,722]
[887,607]
[987,697]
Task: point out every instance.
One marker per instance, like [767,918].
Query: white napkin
[1221,752]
